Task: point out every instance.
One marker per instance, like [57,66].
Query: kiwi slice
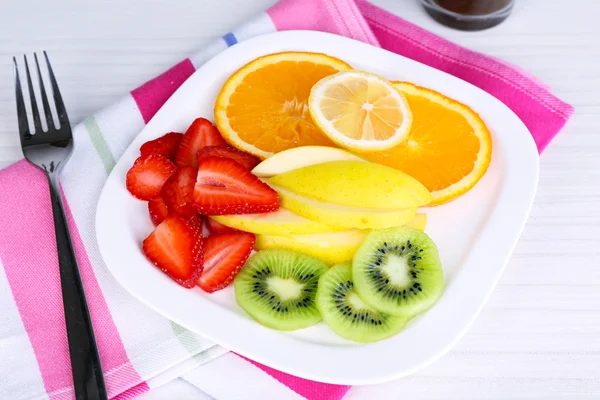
[277,288]
[398,270]
[347,315]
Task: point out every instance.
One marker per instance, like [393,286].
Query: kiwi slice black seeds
[277,288]
[398,271]
[274,301]
[341,304]
[347,315]
[378,277]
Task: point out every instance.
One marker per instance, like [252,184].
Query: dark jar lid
[469,15]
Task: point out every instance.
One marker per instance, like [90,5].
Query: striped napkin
[139,348]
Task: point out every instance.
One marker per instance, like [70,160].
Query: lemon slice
[360,111]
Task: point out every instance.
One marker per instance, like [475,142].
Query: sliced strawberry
[196,222]
[200,134]
[165,146]
[248,161]
[175,246]
[158,210]
[178,192]
[225,187]
[224,256]
[146,177]
[217,227]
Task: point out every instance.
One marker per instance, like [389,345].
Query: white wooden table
[539,335]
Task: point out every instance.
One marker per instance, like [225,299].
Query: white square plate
[475,233]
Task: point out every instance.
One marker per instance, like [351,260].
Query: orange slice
[360,111]
[262,108]
[448,148]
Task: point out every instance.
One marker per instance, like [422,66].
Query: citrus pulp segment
[262,108]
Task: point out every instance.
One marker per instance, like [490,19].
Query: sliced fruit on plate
[165,146]
[342,216]
[355,184]
[175,246]
[448,158]
[216,227]
[280,222]
[178,192]
[360,110]
[200,134]
[277,288]
[248,161]
[398,271]
[332,247]
[347,314]
[147,176]
[158,210]
[262,108]
[299,157]
[225,187]
[224,255]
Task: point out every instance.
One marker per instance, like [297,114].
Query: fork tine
[21,110]
[45,103]
[63,119]
[37,124]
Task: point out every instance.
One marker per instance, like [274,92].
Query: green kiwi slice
[277,288]
[398,270]
[347,315]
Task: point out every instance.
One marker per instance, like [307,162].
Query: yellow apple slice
[299,157]
[332,247]
[355,184]
[280,222]
[341,216]
[419,222]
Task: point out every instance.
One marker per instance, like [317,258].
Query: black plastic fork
[49,150]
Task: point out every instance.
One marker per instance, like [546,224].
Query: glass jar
[469,15]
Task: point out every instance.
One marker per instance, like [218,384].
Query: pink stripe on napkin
[153,94]
[29,255]
[311,390]
[341,17]
[133,392]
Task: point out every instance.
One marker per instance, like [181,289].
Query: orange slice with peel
[262,108]
[448,148]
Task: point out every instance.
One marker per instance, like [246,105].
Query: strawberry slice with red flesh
[217,227]
[165,146]
[248,161]
[175,246]
[224,256]
[196,223]
[178,192]
[225,187]
[158,210]
[147,176]
[200,134]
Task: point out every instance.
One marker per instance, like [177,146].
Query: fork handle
[85,362]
